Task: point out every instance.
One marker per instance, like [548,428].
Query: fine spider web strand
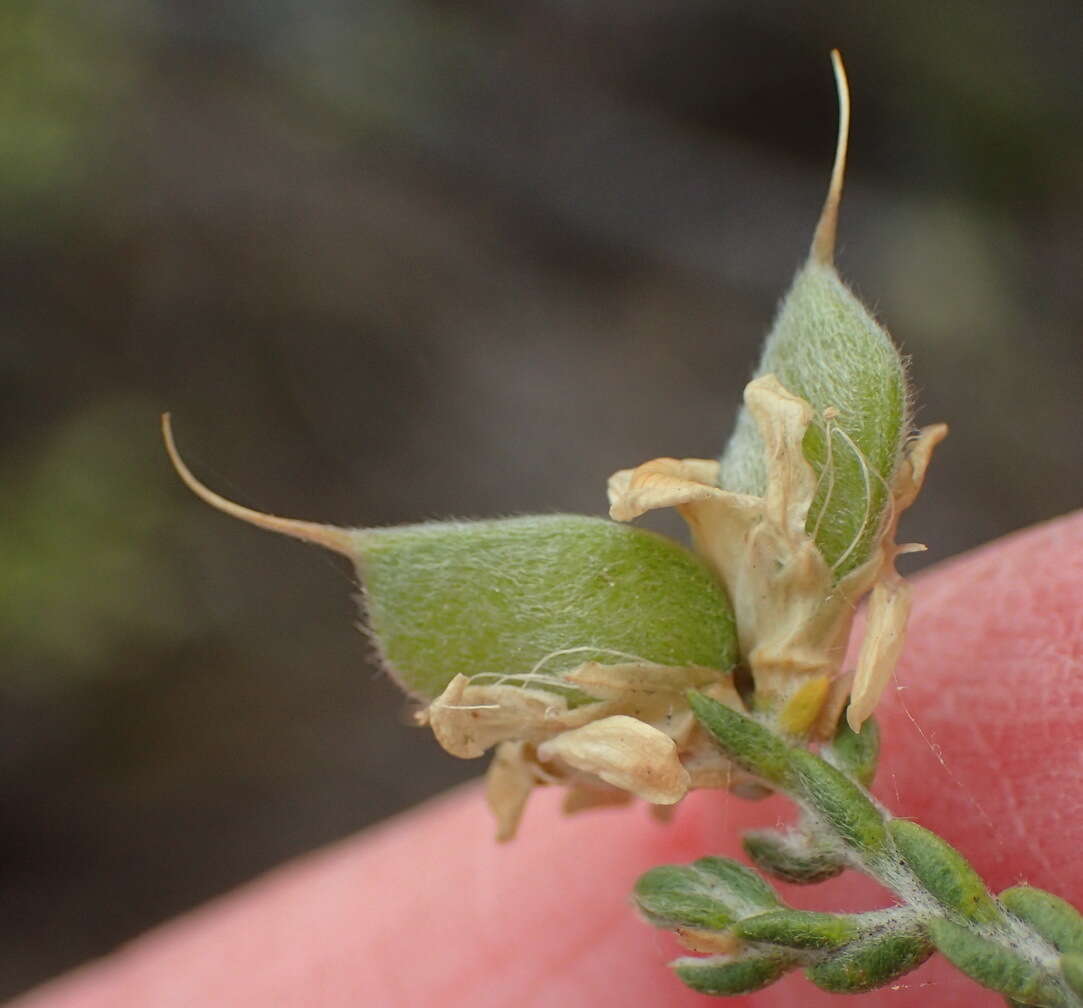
[938,753]
[934,747]
[456,706]
[536,675]
[865,470]
[828,469]
[581,649]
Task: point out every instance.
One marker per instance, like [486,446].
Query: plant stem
[1026,945]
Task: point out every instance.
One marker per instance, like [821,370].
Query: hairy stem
[1027,944]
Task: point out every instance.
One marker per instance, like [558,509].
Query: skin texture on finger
[983,738]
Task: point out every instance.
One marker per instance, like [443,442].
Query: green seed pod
[794,856]
[523,597]
[944,872]
[1071,966]
[1054,919]
[841,802]
[995,966]
[710,893]
[871,962]
[798,929]
[723,975]
[536,594]
[856,442]
[751,746]
[856,753]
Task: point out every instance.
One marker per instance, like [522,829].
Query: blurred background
[403,259]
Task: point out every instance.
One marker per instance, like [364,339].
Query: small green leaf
[1071,966]
[841,802]
[741,887]
[871,962]
[799,929]
[1054,919]
[710,893]
[944,872]
[723,975]
[797,857]
[748,744]
[677,896]
[995,966]
[856,753]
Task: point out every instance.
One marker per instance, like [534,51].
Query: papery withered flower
[570,643]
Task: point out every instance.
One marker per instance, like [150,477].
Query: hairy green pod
[871,962]
[946,874]
[856,448]
[995,966]
[748,744]
[532,596]
[1056,920]
[857,753]
[841,802]
[507,597]
[793,856]
[722,975]
[798,929]
[711,893]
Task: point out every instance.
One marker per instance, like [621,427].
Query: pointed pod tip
[329,536]
[823,240]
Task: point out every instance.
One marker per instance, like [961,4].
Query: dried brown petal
[511,778]
[885,633]
[626,753]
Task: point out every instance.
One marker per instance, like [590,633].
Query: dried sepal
[793,617]
[637,737]
[885,633]
[468,720]
[715,943]
[584,793]
[614,682]
[511,778]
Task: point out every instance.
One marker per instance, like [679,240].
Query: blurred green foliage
[65,71]
[83,575]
